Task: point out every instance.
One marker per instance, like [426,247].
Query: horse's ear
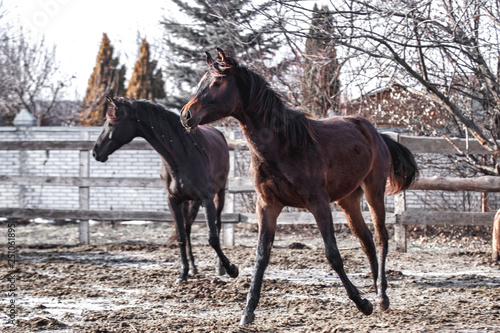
[111,102]
[111,111]
[221,56]
[210,60]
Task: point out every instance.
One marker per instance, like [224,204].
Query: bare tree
[446,51]
[7,111]
[29,77]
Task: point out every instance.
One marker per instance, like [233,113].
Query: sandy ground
[126,282]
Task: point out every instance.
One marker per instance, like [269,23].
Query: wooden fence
[401,217]
[404,217]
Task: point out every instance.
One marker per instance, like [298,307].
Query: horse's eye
[216,83]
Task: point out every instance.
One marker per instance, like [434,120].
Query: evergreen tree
[234,25]
[106,79]
[145,83]
[320,85]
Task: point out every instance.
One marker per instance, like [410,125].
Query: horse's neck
[264,143]
[169,145]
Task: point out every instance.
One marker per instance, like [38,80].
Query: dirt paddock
[126,282]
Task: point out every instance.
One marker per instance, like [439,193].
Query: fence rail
[243,185]
[88,145]
[401,217]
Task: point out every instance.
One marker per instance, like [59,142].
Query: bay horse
[300,162]
[194,167]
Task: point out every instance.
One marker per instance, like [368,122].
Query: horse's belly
[340,186]
[272,187]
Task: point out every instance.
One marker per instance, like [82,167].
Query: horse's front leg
[266,215]
[213,238]
[176,209]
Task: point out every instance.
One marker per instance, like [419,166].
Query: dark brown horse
[300,162]
[194,169]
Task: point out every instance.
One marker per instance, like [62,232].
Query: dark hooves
[181,280]
[247,318]
[384,303]
[234,272]
[366,307]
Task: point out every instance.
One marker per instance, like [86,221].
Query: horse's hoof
[247,318]
[384,303]
[181,279]
[234,271]
[366,307]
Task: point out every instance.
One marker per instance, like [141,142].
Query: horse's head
[118,130]
[217,96]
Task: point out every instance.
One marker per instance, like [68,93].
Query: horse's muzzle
[98,157]
[188,121]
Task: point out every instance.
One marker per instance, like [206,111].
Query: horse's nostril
[188,115]
[94,154]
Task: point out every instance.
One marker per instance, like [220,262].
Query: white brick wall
[134,198]
[51,197]
[122,163]
[128,163]
[9,196]
[9,162]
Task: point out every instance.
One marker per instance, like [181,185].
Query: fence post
[84,192]
[228,228]
[399,227]
[495,255]
[23,171]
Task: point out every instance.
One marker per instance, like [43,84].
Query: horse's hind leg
[374,193]
[219,201]
[351,206]
[213,238]
[190,209]
[176,209]
[321,210]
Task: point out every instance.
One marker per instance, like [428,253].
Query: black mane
[292,125]
[145,110]
[165,124]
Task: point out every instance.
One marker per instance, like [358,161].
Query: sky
[75,27]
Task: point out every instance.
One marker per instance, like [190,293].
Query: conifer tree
[106,79]
[234,25]
[145,83]
[320,85]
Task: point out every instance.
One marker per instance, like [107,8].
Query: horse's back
[343,133]
[344,123]
[350,132]
[352,149]
[212,134]
[214,141]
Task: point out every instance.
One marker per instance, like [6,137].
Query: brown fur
[300,162]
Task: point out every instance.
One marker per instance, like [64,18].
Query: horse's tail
[404,169]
